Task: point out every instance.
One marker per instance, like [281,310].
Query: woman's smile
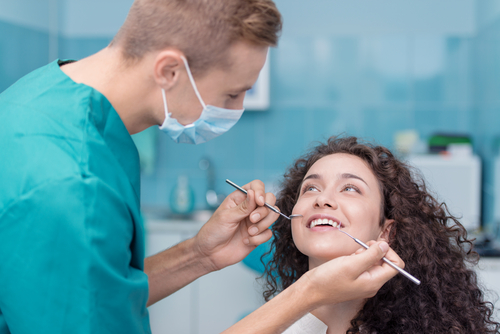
[322,223]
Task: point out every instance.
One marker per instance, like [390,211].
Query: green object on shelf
[445,140]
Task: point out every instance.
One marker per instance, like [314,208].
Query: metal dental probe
[404,273]
[269,206]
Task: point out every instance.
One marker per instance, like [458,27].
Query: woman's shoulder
[308,324]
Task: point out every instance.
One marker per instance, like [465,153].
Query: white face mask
[213,121]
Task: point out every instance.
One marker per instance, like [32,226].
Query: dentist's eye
[234,96]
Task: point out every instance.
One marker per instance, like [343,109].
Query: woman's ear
[386,230]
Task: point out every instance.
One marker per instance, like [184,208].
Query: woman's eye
[232,96]
[309,188]
[350,188]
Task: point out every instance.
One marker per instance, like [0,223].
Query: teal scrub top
[71,233]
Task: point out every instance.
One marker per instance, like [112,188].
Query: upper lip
[323,216]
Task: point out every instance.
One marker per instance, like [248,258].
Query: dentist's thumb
[368,258]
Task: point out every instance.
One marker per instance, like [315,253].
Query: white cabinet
[227,296]
[455,180]
[212,303]
[176,310]
[488,272]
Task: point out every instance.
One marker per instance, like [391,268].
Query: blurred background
[417,76]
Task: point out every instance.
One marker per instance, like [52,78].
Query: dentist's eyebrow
[351,176]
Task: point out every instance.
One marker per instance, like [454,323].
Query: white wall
[354,17]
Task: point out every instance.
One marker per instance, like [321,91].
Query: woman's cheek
[297,237]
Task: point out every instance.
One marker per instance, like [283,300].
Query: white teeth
[324,222]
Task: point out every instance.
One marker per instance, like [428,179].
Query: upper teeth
[324,222]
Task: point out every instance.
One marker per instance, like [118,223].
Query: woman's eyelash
[351,186]
[306,187]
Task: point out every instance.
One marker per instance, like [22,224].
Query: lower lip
[323,228]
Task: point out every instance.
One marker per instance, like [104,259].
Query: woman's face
[338,189]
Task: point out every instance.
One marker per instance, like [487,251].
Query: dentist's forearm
[279,313]
[173,269]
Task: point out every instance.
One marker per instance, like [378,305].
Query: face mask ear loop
[192,82]
[167,115]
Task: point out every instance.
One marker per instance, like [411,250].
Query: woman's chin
[318,259]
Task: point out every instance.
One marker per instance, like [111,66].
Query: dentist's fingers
[356,276]
[390,255]
[262,211]
[266,218]
[259,238]
[366,259]
[262,225]
[238,207]
[259,189]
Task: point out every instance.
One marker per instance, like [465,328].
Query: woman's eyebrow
[351,176]
[310,176]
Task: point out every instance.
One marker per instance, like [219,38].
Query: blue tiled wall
[78,48]
[485,115]
[322,86]
[21,51]
[369,86]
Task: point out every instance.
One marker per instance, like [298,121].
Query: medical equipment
[407,275]
[267,205]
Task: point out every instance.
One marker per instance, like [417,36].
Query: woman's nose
[323,201]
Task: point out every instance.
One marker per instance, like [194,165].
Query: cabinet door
[210,304]
[227,296]
[488,272]
[174,313]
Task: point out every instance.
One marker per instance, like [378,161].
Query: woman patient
[374,196]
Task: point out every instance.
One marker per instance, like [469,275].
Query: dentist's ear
[167,66]
[385,235]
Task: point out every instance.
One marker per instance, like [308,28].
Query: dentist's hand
[238,226]
[357,276]
[345,278]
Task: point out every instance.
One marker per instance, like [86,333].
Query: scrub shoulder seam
[51,183]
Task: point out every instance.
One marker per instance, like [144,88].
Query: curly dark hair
[431,242]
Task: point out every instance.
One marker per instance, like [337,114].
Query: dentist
[71,233]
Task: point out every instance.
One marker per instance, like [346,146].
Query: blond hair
[202,29]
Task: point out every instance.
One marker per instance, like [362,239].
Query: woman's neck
[338,316]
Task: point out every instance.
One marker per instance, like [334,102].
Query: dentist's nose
[323,201]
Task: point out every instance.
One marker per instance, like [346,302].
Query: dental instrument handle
[401,271]
[269,206]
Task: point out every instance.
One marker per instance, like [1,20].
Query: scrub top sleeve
[67,262]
